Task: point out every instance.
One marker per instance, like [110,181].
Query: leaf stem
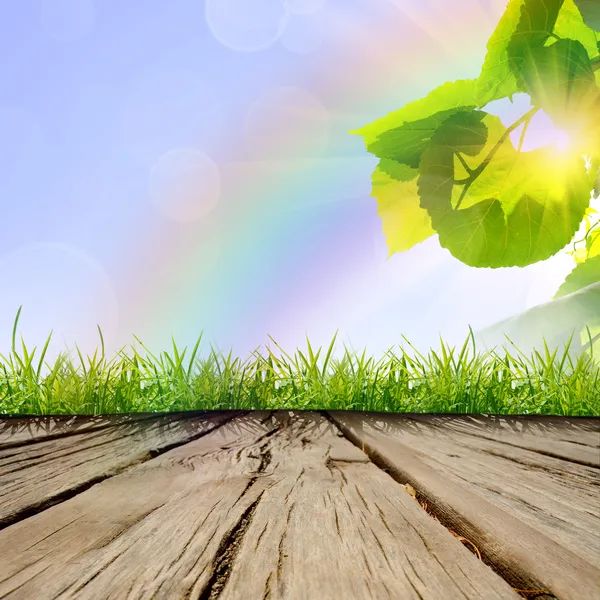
[523,133]
[464,163]
[475,173]
[587,234]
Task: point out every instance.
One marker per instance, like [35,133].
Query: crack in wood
[366,562]
[130,525]
[555,455]
[31,461]
[267,592]
[193,535]
[362,498]
[42,505]
[382,517]
[337,522]
[415,571]
[226,553]
[382,549]
[280,553]
[535,466]
[413,587]
[51,534]
[26,581]
[261,535]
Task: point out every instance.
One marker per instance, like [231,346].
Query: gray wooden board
[33,476]
[265,506]
[21,430]
[517,514]
[574,440]
[557,497]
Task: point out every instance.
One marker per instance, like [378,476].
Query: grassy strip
[448,380]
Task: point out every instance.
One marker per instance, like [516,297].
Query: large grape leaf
[520,57]
[561,80]
[451,95]
[524,23]
[528,205]
[394,183]
[496,79]
[590,11]
[404,222]
[535,27]
[405,144]
[570,24]
[582,276]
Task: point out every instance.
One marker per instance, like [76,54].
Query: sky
[172,168]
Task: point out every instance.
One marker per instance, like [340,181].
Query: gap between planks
[521,555]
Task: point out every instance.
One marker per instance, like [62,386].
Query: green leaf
[582,276]
[590,11]
[451,95]
[526,206]
[496,79]
[404,222]
[406,143]
[536,24]
[396,170]
[593,244]
[561,80]
[570,25]
[524,24]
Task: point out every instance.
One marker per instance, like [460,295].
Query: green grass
[448,380]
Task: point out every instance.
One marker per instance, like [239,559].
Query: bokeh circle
[246,26]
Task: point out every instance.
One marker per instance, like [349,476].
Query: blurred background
[168,168]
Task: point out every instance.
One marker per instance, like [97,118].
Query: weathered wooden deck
[299,505]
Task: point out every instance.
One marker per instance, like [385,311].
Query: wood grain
[265,506]
[557,497]
[35,476]
[570,439]
[22,430]
[451,473]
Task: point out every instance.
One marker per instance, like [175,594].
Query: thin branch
[488,159]
[587,234]
[464,163]
[523,133]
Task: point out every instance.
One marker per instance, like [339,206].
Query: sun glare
[562,140]
[543,132]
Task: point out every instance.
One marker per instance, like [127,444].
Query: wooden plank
[35,476]
[569,440]
[22,430]
[519,551]
[556,497]
[345,529]
[263,507]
